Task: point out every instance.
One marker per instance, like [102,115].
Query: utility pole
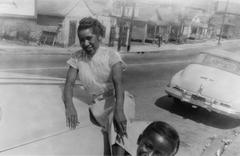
[131,27]
[121,26]
[223,21]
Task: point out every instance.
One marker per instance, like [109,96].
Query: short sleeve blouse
[95,72]
[114,58]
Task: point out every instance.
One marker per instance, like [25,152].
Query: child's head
[158,139]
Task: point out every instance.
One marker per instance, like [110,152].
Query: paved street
[146,77]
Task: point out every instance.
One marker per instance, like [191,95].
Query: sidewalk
[6,48]
[170,46]
[233,148]
[226,144]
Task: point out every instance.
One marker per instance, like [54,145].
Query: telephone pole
[223,21]
[131,27]
[123,4]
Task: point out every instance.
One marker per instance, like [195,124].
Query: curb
[31,50]
[221,145]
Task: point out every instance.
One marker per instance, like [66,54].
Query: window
[221,63]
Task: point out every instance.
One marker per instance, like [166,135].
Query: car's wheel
[177,101]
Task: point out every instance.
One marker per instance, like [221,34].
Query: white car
[212,81]
[32,119]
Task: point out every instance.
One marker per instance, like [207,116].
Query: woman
[100,71]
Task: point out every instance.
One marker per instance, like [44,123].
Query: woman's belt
[103,95]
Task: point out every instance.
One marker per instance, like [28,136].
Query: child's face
[154,144]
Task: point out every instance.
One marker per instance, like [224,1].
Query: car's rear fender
[209,82]
[34,109]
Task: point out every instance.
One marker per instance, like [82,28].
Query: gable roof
[72,7]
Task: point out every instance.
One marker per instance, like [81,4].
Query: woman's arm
[119,116]
[71,113]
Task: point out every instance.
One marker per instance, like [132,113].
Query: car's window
[221,63]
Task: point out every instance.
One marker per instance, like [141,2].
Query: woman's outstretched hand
[120,124]
[71,117]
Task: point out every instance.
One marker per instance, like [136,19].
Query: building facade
[47,24]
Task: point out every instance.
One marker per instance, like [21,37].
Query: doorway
[72,32]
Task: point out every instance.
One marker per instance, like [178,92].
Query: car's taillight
[177,88]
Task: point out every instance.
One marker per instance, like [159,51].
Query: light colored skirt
[102,110]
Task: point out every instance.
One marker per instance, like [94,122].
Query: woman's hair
[89,22]
[164,130]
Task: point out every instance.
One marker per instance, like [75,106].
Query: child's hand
[71,117]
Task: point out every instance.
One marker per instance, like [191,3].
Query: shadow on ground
[199,115]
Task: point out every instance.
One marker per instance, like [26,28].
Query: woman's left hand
[119,118]
[120,123]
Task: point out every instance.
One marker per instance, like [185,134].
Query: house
[143,17]
[13,18]
[185,20]
[51,22]
[226,17]
[65,14]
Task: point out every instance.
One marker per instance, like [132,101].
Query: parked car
[32,119]
[212,81]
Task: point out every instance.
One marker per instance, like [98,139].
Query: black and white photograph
[119,77]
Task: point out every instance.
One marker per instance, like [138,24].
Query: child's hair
[89,22]
[166,131]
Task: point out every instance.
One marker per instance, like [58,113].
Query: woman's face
[89,41]
[154,145]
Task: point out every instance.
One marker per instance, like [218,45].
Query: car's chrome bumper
[203,101]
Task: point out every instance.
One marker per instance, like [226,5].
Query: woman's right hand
[71,117]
